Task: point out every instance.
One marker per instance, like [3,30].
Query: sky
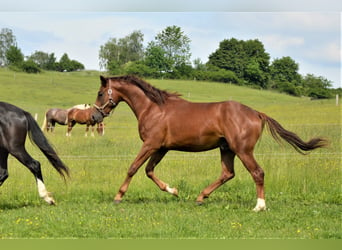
[309,35]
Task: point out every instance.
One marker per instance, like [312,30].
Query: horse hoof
[172,191]
[199,203]
[50,201]
[260,206]
[175,193]
[117,202]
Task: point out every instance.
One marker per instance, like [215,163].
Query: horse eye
[100,94]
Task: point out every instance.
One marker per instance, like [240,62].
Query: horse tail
[278,133]
[44,125]
[66,118]
[38,138]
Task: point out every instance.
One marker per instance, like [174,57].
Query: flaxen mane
[156,95]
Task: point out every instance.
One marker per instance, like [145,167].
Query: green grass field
[303,193]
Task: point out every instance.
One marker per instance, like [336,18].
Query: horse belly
[194,147]
[192,140]
[194,128]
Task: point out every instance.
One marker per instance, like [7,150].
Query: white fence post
[337,99]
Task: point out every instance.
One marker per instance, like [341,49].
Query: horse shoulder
[70,113]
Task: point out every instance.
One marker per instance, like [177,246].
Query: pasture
[303,193]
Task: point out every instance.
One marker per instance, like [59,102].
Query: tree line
[168,56]
[234,61]
[11,56]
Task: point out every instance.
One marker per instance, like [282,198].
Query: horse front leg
[92,130]
[154,160]
[70,125]
[86,131]
[100,128]
[141,158]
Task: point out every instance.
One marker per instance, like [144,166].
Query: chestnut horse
[15,124]
[83,116]
[59,116]
[168,122]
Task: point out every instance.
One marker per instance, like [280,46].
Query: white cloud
[281,43]
[330,53]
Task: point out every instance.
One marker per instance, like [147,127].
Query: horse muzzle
[97,116]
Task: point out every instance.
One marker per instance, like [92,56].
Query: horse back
[57,115]
[81,116]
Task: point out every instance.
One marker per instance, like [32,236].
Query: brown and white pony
[84,116]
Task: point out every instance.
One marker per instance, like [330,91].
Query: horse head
[107,99]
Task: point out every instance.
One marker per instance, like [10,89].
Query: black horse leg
[34,167]
[3,166]
[53,124]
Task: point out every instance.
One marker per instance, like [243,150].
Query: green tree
[51,63]
[65,64]
[285,76]
[175,45]
[117,52]
[285,69]
[247,59]
[138,68]
[155,58]
[14,56]
[30,66]
[229,56]
[199,65]
[317,87]
[7,39]
[255,75]
[44,60]
[76,65]
[132,48]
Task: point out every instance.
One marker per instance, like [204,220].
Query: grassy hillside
[303,193]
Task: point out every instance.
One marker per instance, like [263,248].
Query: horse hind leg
[34,167]
[227,162]
[258,176]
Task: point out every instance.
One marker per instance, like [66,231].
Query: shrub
[220,75]
[30,67]
[138,69]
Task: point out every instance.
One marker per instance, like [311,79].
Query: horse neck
[136,100]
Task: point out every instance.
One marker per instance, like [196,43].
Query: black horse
[15,124]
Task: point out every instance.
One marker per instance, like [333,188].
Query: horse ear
[103,81]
